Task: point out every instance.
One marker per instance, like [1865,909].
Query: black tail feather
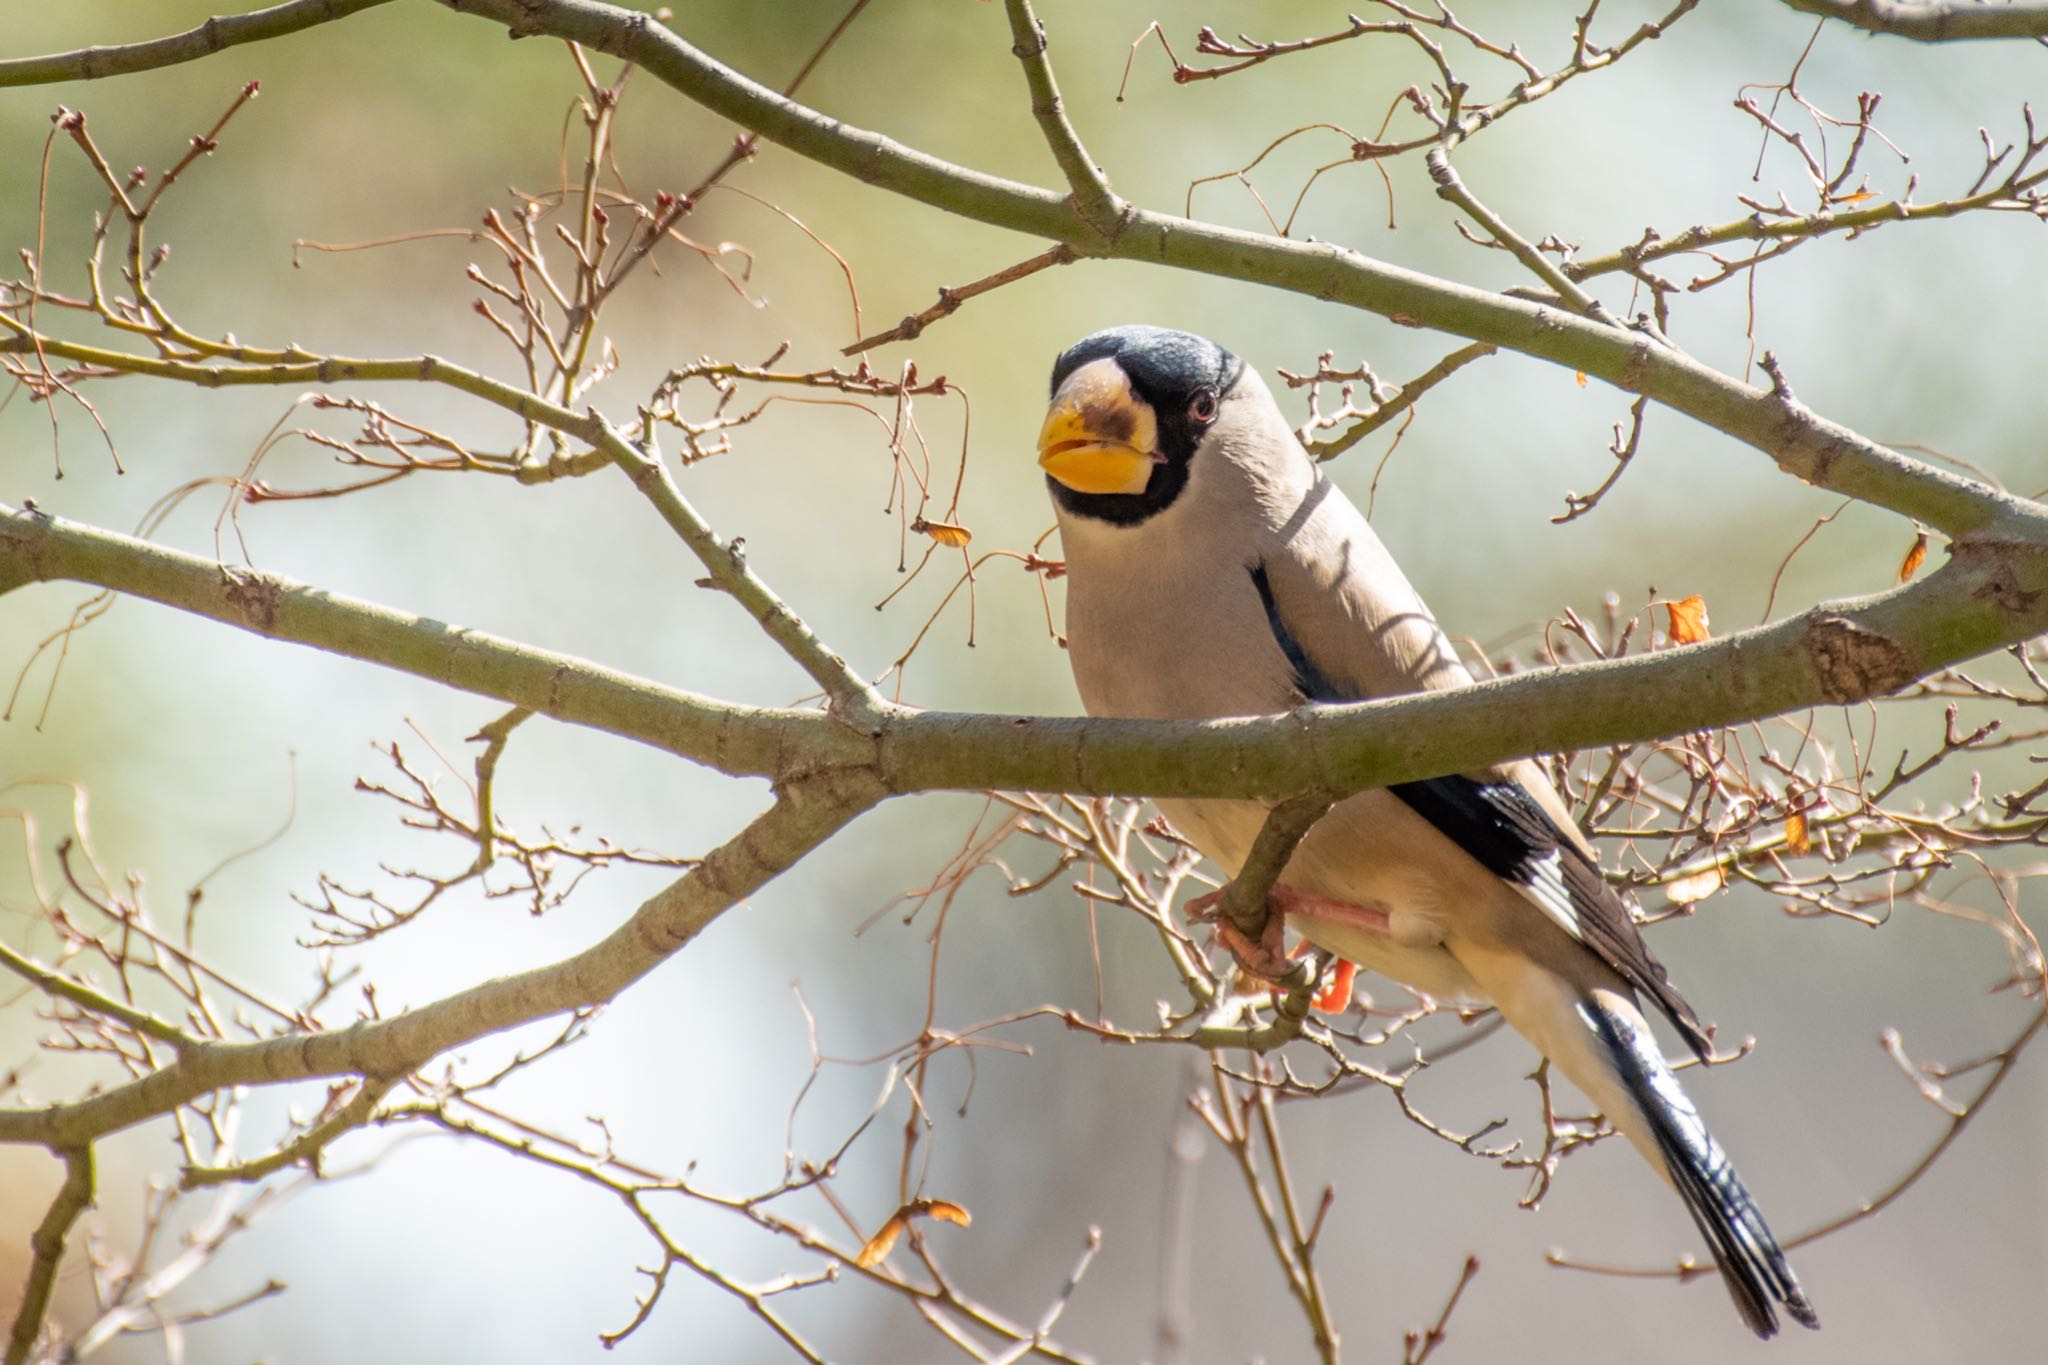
[1752,1265]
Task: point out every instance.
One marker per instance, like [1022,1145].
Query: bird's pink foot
[1306,905]
[1268,958]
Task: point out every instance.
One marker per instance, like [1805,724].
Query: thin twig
[950,298]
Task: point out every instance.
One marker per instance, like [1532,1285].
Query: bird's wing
[1352,627]
[1498,821]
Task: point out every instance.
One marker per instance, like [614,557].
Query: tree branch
[1934,22]
[1804,445]
[215,35]
[1452,189]
[1097,203]
[739,740]
[807,812]
[1805,227]
[53,982]
[950,299]
[1990,595]
[827,769]
[1243,901]
[360,1108]
[854,699]
[1407,396]
[46,1243]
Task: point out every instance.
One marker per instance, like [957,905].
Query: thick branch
[217,33]
[740,740]
[1803,444]
[46,1245]
[1991,594]
[805,815]
[1929,21]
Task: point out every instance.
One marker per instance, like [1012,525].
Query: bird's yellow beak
[1099,437]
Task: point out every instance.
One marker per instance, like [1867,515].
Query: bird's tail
[1752,1265]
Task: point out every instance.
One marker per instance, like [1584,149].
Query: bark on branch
[216,34]
[1935,21]
[1993,593]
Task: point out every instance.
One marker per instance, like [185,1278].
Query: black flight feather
[1752,1264]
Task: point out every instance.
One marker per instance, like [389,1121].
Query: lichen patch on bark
[1854,663]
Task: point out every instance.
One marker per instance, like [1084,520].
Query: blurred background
[195,741]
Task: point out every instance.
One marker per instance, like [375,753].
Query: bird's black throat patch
[1125,509]
[1166,369]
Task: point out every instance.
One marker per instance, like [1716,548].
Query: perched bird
[1213,571]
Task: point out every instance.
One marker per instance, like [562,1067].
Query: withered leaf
[1694,886]
[1688,625]
[878,1246]
[1915,557]
[1580,375]
[944,532]
[1797,841]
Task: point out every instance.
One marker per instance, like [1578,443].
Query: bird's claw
[1266,959]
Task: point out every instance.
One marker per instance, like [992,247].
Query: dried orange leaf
[1688,620]
[944,532]
[1797,841]
[1857,197]
[1695,886]
[878,1246]
[944,1212]
[1580,375]
[1915,557]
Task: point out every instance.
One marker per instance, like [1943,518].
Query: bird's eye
[1202,407]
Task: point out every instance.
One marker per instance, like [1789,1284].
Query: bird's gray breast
[1169,627]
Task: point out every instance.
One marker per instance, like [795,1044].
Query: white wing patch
[1541,882]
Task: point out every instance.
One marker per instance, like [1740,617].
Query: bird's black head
[1129,407]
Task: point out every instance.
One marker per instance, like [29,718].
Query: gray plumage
[1237,580]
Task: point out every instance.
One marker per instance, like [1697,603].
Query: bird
[1213,570]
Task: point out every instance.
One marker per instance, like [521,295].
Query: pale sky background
[409,117]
